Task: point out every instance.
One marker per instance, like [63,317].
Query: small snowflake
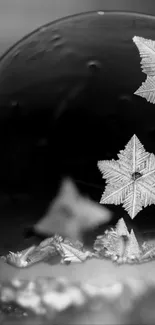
[130,179]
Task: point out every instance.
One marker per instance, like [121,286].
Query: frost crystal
[113,245]
[121,228]
[132,249]
[130,179]
[71,254]
[110,245]
[20,258]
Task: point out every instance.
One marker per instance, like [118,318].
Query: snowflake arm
[146,49]
[133,201]
[112,169]
[147,90]
[115,192]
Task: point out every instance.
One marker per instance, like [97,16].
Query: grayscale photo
[77,162]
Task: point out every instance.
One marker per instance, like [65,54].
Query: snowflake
[146,49]
[130,179]
[71,213]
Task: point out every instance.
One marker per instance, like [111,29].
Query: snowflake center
[136,175]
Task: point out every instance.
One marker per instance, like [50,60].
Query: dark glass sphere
[67,100]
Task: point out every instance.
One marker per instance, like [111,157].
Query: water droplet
[32,44]
[60,45]
[16,54]
[14,103]
[43,29]
[100,13]
[56,37]
[25,314]
[37,55]
[125,97]
[94,65]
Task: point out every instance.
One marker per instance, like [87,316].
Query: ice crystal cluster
[119,244]
[122,246]
[69,252]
